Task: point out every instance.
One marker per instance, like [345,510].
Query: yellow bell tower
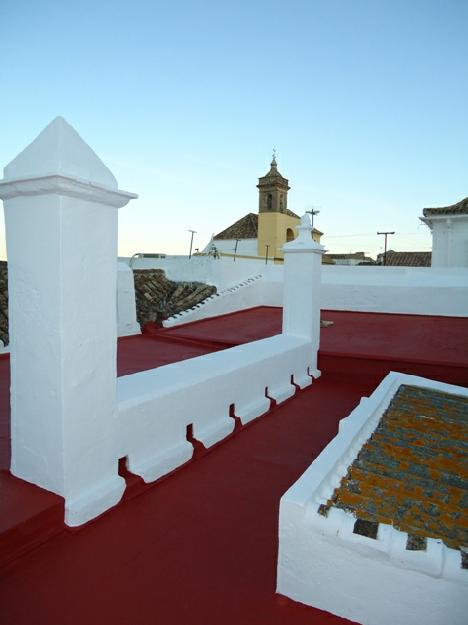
[276,223]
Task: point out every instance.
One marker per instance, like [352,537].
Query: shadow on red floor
[201,545]
[200,548]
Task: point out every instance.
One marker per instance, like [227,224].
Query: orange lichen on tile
[413,471]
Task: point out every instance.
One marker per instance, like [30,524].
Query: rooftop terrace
[200,546]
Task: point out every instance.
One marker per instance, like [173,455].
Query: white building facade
[449,227]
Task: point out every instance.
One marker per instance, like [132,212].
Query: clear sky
[366,102]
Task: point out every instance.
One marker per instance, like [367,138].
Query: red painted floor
[441,340]
[200,546]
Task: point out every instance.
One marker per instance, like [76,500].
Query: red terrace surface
[441,340]
[201,545]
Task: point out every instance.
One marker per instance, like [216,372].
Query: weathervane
[313,211]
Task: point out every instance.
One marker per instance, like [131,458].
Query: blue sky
[365,102]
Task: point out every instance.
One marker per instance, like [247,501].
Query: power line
[368,234]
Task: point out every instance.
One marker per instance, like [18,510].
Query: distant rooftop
[247,227]
[407,259]
[460,208]
[244,228]
[360,256]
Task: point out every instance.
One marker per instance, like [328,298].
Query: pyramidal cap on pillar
[59,161]
[304,241]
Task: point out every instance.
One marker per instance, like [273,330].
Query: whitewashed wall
[449,241]
[404,290]
[222,273]
[242,296]
[247,247]
[155,407]
[127,323]
[412,290]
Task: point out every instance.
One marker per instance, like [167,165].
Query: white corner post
[127,324]
[61,206]
[302,283]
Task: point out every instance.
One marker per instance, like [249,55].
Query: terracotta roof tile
[247,227]
[286,211]
[244,228]
[408,259]
[157,297]
[460,208]
[413,471]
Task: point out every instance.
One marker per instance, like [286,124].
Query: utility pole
[191,242]
[235,249]
[266,254]
[385,245]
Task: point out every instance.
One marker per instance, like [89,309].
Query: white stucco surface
[61,229]
[155,407]
[322,563]
[72,420]
[59,150]
[245,247]
[449,239]
[400,290]
[127,324]
[240,296]
[301,285]
[221,273]
[410,290]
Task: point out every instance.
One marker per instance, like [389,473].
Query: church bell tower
[273,191]
[276,223]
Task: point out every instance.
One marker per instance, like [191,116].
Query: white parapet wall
[221,273]
[404,290]
[323,563]
[155,407]
[398,290]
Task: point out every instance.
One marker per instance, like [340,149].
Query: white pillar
[61,228]
[302,283]
[127,324]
